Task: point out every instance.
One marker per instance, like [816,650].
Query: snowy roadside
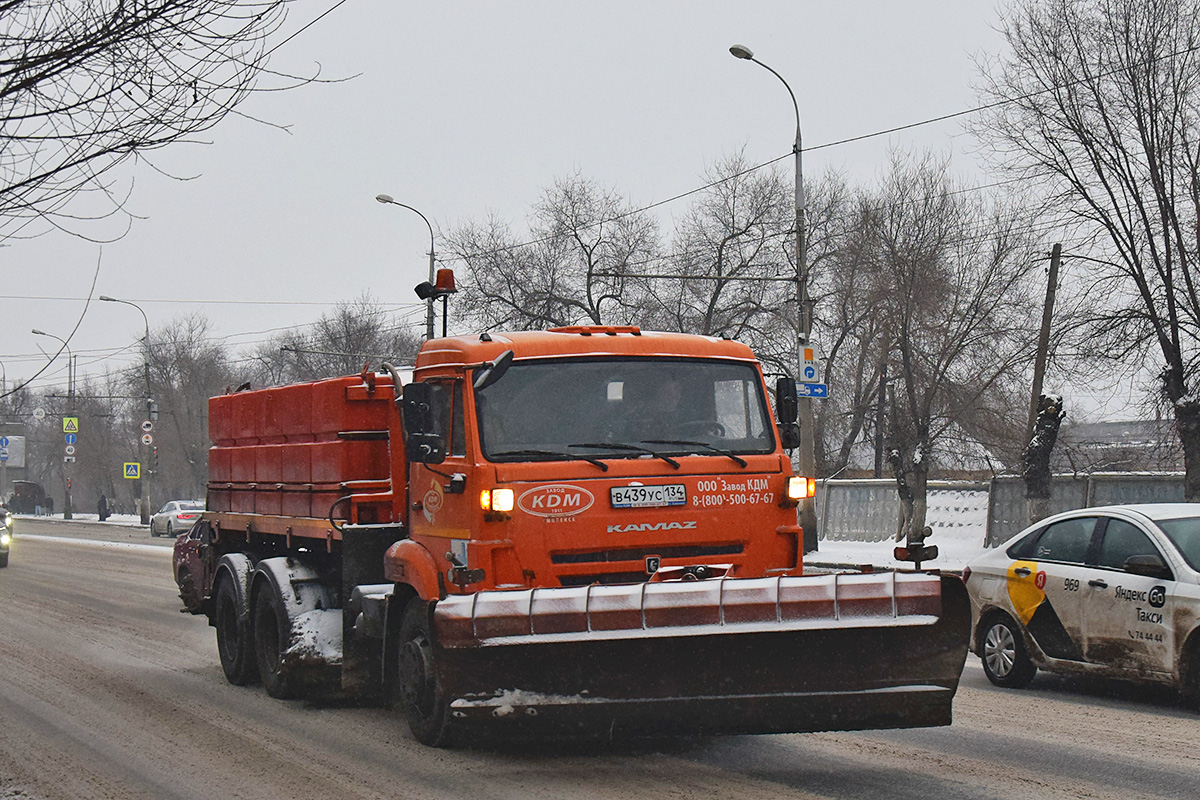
[115,520]
[148,548]
[958,518]
[953,554]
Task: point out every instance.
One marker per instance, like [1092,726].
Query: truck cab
[592,455]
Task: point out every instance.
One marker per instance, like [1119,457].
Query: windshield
[1185,535]
[193,506]
[539,409]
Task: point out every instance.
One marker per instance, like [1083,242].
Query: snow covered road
[107,691]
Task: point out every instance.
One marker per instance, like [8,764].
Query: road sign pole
[147,426]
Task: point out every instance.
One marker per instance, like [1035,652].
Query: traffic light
[68,484]
[154,458]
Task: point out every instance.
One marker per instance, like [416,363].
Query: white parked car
[1111,591]
[175,517]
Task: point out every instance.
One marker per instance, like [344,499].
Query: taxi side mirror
[1151,566]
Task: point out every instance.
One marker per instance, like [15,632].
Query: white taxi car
[1111,591]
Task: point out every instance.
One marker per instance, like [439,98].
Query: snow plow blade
[720,656]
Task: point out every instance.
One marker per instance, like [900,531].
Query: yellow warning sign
[133,469]
[70,424]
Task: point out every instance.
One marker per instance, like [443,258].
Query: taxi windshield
[624,408]
[1185,535]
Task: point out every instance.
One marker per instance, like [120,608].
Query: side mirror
[789,435]
[493,371]
[787,407]
[1151,566]
[417,407]
[421,442]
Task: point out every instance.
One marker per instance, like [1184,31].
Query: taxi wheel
[1191,673]
[1002,651]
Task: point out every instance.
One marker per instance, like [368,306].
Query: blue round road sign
[71,438]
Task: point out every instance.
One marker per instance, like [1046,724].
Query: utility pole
[1045,414]
[880,411]
[1043,346]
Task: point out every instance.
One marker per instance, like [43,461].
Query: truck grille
[640,553]
[635,555]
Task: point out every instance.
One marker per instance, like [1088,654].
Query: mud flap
[834,652]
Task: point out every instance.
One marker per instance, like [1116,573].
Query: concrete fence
[1007,514]
[988,512]
[869,510]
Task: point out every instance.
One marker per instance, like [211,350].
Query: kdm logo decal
[556,500]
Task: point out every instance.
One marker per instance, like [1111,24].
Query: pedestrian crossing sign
[133,469]
[70,424]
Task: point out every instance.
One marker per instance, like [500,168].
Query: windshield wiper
[630,447]
[705,445]
[554,453]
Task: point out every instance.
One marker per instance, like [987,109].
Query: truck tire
[272,630]
[1002,651]
[417,691]
[283,592]
[231,618]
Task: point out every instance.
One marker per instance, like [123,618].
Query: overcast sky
[465,109]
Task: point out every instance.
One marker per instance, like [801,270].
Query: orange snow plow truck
[581,531]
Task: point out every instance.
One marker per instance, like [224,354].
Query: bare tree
[728,271]
[88,84]
[855,339]
[355,334]
[582,242]
[959,311]
[187,367]
[1098,102]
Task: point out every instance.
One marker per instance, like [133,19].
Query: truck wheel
[417,690]
[1002,651]
[272,636]
[233,634]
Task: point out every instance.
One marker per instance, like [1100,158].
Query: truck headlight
[499,500]
[801,488]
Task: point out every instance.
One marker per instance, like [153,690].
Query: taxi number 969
[668,494]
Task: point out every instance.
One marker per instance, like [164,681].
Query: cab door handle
[1023,572]
[1099,584]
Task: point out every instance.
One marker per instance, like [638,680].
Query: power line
[192,302]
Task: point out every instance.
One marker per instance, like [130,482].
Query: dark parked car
[193,564]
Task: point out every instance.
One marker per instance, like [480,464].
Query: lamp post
[67,510]
[3,461]
[387,198]
[145,510]
[808,512]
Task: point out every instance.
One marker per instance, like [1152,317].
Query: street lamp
[145,510]
[67,510]
[387,198]
[808,512]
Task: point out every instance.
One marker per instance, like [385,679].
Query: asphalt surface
[108,691]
